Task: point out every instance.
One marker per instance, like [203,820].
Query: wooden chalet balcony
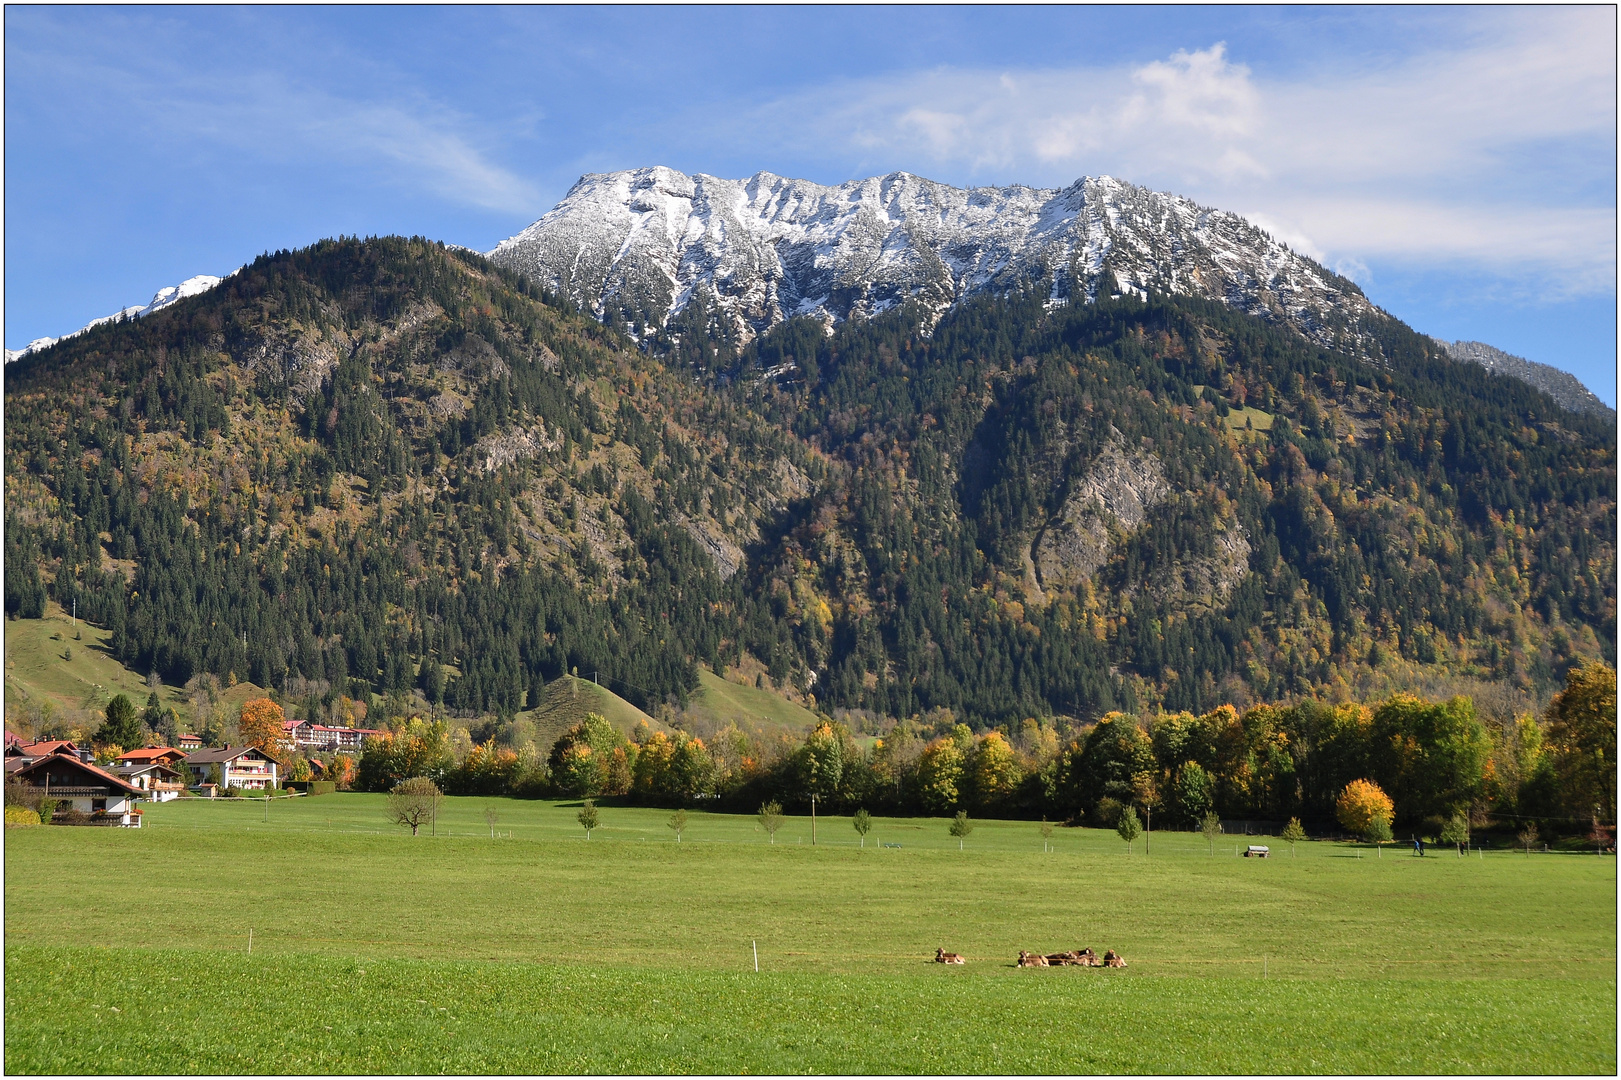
[98,791]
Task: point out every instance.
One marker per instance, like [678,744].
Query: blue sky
[1459,163]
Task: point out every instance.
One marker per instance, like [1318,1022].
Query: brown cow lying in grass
[943,957]
[1113,959]
[1073,958]
[1031,959]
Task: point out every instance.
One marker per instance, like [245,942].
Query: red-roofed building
[307,736]
[36,750]
[108,799]
[163,755]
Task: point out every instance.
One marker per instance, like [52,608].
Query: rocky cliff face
[647,243]
[1112,498]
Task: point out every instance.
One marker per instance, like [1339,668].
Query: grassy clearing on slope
[630,952]
[37,669]
[756,711]
[565,702]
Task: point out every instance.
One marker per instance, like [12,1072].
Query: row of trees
[1430,762]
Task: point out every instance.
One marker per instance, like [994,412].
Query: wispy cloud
[182,92]
[1497,153]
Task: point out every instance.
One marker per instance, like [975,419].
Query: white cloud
[1468,154]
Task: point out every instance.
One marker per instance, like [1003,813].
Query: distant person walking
[1418,847]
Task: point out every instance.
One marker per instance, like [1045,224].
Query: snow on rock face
[758,251]
[165,296]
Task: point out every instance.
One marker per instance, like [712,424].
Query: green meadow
[537,950]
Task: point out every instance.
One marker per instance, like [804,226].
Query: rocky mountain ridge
[1562,386]
[646,243]
[642,246]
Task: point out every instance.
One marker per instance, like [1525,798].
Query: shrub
[24,795]
[21,815]
[1108,812]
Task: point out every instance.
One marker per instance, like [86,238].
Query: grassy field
[540,951]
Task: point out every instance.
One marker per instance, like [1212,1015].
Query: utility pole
[813,819]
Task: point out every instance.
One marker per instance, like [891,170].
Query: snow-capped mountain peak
[648,242]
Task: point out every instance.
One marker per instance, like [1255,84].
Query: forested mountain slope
[368,466]
[363,461]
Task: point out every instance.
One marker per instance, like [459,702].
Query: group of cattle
[1073,958]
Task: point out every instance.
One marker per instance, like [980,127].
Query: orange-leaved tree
[261,726]
[1361,804]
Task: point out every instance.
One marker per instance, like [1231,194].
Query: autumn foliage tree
[1361,804]
[260,724]
[1581,734]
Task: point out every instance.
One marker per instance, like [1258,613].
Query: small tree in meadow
[587,817]
[961,827]
[1379,832]
[1128,826]
[1046,834]
[490,818]
[771,818]
[1210,828]
[413,802]
[1456,832]
[1528,836]
[1292,834]
[862,822]
[1146,789]
[678,824]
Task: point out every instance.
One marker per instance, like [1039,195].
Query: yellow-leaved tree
[939,774]
[1581,734]
[1361,805]
[996,772]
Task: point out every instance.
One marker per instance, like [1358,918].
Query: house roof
[40,749]
[12,737]
[150,753]
[65,761]
[143,767]
[224,754]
